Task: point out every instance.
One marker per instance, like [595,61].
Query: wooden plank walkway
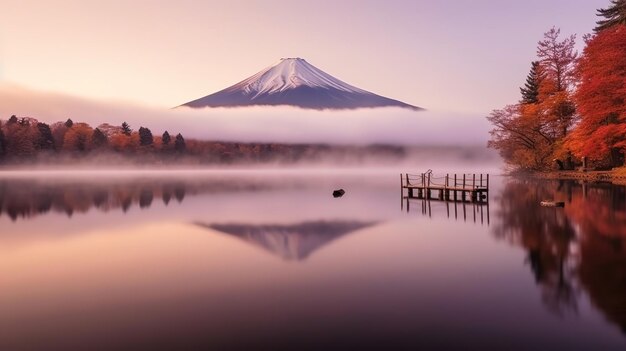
[462,188]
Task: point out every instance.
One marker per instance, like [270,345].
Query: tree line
[26,137]
[27,140]
[572,107]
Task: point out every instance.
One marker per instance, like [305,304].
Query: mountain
[295,82]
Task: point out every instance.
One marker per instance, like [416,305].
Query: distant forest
[572,107]
[25,140]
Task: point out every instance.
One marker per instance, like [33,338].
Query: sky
[454,55]
[113,61]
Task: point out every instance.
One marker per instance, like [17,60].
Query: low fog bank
[317,159]
[394,126]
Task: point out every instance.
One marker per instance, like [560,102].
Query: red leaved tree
[601,98]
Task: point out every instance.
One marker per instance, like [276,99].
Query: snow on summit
[295,82]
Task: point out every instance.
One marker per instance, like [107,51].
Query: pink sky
[464,56]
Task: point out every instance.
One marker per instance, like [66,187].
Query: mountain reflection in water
[290,242]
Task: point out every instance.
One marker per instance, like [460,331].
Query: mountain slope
[295,82]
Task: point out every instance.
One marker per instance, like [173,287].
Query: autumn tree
[126,129]
[601,98]
[78,137]
[557,62]
[530,134]
[19,138]
[145,137]
[517,137]
[98,139]
[179,143]
[45,140]
[613,15]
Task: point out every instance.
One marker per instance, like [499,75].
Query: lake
[270,260]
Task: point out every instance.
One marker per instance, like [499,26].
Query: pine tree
[126,129]
[179,143]
[530,90]
[614,14]
[69,123]
[12,120]
[165,139]
[98,139]
[145,136]
[45,141]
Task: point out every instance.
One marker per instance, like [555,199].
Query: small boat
[547,203]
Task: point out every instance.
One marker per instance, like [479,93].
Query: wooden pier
[457,188]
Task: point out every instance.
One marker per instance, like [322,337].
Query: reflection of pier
[466,187]
[476,211]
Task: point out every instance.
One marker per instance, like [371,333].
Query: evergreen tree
[165,139]
[45,141]
[614,15]
[98,139]
[530,90]
[126,129]
[69,123]
[145,136]
[179,143]
[12,120]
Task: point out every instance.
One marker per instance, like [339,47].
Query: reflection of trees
[600,211]
[578,246]
[545,234]
[29,198]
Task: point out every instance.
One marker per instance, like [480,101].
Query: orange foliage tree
[601,98]
[531,133]
[78,137]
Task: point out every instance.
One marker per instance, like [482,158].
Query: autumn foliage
[571,107]
[601,98]
[531,133]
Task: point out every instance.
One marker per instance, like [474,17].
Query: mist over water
[258,124]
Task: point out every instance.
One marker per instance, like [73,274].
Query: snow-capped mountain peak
[290,73]
[294,81]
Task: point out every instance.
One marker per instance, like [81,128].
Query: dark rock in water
[338,193]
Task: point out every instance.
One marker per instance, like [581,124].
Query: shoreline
[615,176]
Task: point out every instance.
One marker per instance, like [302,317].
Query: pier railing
[464,187]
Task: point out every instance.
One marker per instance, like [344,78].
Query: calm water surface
[270,260]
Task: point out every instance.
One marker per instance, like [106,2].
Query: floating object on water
[338,193]
[547,203]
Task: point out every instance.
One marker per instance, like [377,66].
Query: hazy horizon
[284,124]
